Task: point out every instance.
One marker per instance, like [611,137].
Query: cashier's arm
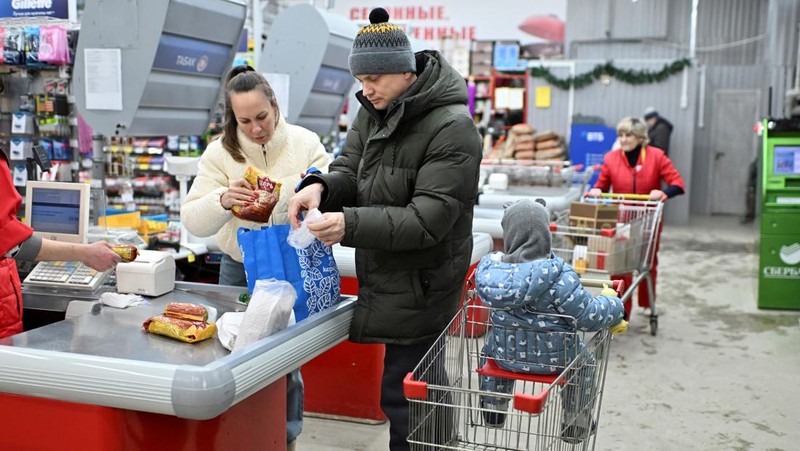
[97,255]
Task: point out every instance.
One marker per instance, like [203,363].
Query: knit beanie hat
[381,48]
[526,231]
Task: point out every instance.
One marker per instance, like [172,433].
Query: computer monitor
[58,210]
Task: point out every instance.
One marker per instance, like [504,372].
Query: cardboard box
[593,215]
[617,254]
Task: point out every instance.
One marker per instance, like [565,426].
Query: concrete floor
[720,374]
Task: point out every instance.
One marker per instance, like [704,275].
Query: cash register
[59,211]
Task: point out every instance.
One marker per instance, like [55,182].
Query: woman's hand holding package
[330,229]
[595,192]
[240,192]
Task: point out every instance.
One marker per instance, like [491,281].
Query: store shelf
[506,93]
[138,167]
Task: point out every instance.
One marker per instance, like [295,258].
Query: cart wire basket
[538,172]
[461,399]
[628,248]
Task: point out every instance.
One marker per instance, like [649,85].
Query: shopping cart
[628,248]
[453,408]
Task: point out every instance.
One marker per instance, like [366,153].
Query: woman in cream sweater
[255,134]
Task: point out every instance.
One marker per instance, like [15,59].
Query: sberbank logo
[790,254]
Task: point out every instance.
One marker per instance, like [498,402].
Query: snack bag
[180,329]
[268,192]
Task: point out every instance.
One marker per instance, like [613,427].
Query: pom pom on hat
[381,48]
[378,15]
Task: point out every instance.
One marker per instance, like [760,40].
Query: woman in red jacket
[18,242]
[636,168]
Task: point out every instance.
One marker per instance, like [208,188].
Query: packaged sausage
[185,310]
[127,252]
[180,329]
[268,192]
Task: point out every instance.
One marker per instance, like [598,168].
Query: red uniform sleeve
[12,231]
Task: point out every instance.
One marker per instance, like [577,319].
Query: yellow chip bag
[180,329]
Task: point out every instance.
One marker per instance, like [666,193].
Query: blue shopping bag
[311,271]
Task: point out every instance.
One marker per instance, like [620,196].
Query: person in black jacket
[402,193]
[659,129]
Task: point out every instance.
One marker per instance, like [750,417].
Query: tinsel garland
[634,77]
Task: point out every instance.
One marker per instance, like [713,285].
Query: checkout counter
[114,386]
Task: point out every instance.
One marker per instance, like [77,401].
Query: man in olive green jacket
[402,193]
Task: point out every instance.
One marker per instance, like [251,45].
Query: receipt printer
[151,274]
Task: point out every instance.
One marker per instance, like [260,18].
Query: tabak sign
[790,256]
[57,9]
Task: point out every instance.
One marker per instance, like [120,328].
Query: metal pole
[797,63]
[692,53]
[693,30]
[257,25]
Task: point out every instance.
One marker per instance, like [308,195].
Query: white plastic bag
[301,238]
[268,312]
[228,328]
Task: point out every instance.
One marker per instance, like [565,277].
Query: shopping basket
[627,248]
[452,407]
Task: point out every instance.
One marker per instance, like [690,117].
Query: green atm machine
[779,262]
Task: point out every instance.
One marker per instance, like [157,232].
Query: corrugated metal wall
[731,32]
[740,44]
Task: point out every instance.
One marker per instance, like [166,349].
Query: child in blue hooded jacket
[522,283]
